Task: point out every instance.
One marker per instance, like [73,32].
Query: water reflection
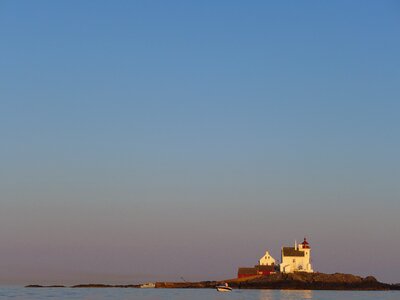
[303,294]
[285,294]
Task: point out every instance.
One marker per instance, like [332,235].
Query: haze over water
[149,141]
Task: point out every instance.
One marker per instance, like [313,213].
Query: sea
[21,293]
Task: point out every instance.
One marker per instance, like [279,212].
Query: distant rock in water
[44,286]
[98,285]
[91,285]
[187,285]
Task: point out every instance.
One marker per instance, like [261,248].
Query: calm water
[192,294]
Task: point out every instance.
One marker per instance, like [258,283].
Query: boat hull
[223,288]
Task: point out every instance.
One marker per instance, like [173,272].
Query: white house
[266,260]
[297,258]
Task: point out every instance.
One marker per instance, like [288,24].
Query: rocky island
[294,281]
[280,281]
[313,281]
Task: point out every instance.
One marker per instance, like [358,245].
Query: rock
[44,286]
[370,279]
[313,281]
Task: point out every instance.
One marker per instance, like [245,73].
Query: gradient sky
[149,140]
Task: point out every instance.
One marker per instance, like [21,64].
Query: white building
[297,258]
[266,260]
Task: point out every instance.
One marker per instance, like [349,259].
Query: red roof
[291,251]
[305,243]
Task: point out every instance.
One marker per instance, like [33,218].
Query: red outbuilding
[256,270]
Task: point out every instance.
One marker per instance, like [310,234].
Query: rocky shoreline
[279,281]
[314,281]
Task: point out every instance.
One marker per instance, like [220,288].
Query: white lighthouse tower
[297,258]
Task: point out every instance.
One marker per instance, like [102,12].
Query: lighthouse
[297,258]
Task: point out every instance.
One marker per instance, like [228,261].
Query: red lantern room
[305,244]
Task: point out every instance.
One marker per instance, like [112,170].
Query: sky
[154,140]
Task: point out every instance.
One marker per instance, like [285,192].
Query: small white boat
[148,285]
[223,288]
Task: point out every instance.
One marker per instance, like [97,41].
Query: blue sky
[165,139]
